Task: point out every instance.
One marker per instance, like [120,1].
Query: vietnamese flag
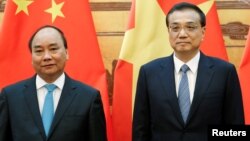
[23,17]
[146,38]
[244,75]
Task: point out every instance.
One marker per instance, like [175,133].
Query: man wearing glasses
[178,96]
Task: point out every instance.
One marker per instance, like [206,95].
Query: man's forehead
[184,16]
[47,30]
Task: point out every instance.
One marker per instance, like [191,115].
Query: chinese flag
[23,17]
[244,75]
[146,39]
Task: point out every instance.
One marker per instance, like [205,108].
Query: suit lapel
[204,77]
[66,98]
[166,75]
[30,94]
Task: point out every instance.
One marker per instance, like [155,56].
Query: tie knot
[184,68]
[50,87]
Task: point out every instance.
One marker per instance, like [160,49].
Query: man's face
[49,55]
[185,31]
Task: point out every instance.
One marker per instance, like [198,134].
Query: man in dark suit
[75,109]
[178,96]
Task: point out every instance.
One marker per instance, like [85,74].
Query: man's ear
[203,32]
[67,54]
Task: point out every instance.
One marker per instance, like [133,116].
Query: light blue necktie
[48,108]
[183,93]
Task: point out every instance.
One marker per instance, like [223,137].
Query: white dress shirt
[42,91]
[191,74]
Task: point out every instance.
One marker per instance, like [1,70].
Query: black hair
[185,5]
[48,26]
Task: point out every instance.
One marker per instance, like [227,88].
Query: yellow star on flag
[55,10]
[22,5]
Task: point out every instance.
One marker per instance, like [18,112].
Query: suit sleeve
[97,124]
[234,113]
[5,133]
[141,115]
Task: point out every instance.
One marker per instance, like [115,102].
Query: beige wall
[235,47]
[1,18]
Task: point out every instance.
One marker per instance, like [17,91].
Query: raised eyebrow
[53,45]
[174,23]
[50,45]
[188,23]
[191,23]
[36,46]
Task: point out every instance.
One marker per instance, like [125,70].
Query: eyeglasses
[187,28]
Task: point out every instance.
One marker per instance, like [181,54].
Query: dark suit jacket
[217,100]
[79,115]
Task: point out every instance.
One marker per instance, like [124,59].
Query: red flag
[23,17]
[146,39]
[244,75]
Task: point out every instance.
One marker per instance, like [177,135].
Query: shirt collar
[192,64]
[59,82]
